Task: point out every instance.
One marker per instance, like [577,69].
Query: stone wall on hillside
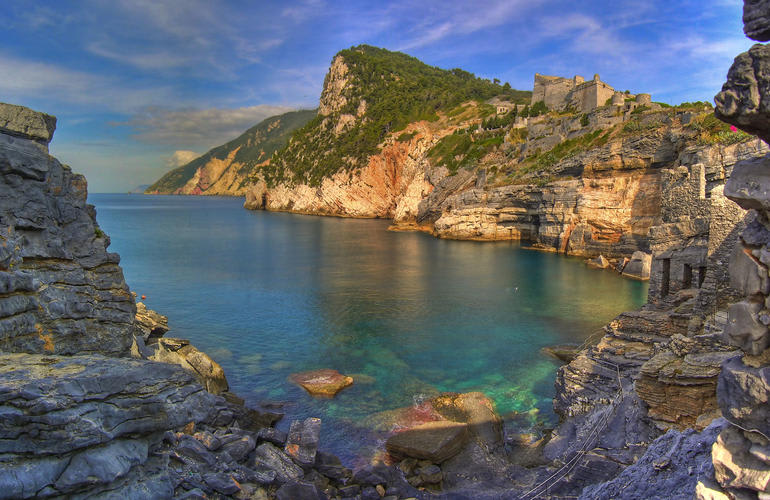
[61,291]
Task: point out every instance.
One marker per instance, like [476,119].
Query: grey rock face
[743,100]
[51,247]
[23,122]
[744,395]
[670,468]
[756,19]
[79,423]
[267,456]
[303,439]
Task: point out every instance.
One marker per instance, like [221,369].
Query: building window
[665,277]
[687,277]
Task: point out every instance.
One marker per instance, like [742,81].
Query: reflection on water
[270,294]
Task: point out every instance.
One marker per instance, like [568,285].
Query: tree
[496,81]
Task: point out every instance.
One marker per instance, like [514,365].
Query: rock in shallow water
[434,441]
[326,382]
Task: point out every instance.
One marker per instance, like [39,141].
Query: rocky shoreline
[672,402]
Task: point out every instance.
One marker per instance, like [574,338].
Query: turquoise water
[271,294]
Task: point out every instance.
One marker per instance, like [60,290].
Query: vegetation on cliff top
[397,89]
[254,146]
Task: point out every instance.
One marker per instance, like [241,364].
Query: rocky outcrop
[61,292]
[391,185]
[86,423]
[670,468]
[95,423]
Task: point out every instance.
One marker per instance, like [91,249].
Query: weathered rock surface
[61,291]
[756,20]
[303,439]
[435,441]
[670,468]
[181,352]
[74,422]
[151,324]
[23,122]
[325,382]
[741,101]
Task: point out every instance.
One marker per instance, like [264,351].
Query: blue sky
[140,86]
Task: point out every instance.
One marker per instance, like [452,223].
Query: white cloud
[197,128]
[181,157]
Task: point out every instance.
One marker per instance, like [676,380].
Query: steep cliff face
[583,184]
[61,291]
[225,169]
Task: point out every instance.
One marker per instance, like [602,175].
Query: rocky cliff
[61,291]
[579,183]
[94,401]
[225,169]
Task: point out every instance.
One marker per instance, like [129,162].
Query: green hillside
[398,89]
[257,144]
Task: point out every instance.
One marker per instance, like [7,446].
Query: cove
[407,315]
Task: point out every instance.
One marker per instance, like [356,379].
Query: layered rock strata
[79,418]
[61,291]
[740,454]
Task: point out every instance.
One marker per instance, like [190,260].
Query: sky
[142,86]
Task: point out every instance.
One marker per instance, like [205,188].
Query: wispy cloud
[24,78]
[197,128]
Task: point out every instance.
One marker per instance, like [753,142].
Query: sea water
[407,315]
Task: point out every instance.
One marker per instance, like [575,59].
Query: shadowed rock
[756,19]
[743,100]
[434,441]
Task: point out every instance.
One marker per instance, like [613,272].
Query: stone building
[561,93]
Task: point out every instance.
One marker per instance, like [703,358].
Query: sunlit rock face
[61,291]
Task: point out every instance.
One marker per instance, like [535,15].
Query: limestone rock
[756,20]
[303,439]
[639,266]
[434,441]
[75,300]
[744,395]
[744,328]
[72,423]
[742,101]
[680,390]
[749,183]
[670,468]
[268,456]
[22,122]
[152,324]
[747,274]
[599,262]
[325,382]
[180,352]
[735,467]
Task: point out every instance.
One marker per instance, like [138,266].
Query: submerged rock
[326,382]
[434,441]
[599,262]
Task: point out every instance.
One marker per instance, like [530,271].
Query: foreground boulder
[324,383]
[435,441]
[72,423]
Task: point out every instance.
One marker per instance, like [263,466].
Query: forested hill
[223,169]
[369,93]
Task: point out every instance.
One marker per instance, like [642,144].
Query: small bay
[407,315]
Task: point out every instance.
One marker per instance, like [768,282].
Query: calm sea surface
[270,294]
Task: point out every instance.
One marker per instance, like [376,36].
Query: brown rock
[325,382]
[434,441]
